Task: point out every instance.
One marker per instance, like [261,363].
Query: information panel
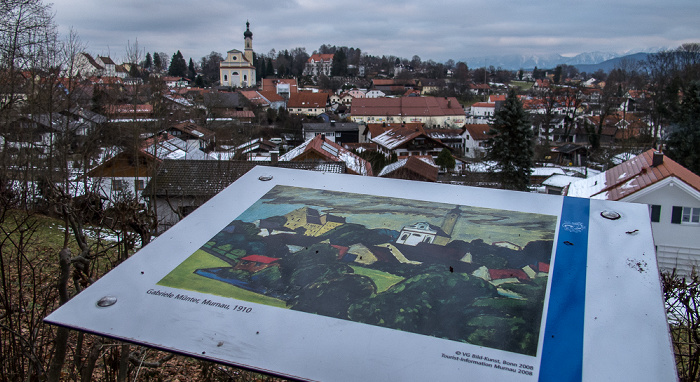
[331,277]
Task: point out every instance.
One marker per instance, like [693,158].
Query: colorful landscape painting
[457,272]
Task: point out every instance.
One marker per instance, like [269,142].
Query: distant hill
[585,62]
[611,64]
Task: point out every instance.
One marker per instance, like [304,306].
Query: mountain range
[585,62]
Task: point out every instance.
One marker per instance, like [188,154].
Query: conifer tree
[178,65]
[149,62]
[511,144]
[157,62]
[191,71]
[684,133]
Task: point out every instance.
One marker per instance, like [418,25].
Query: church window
[245,77]
[404,237]
[225,77]
[235,73]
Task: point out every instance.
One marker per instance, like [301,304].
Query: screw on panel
[106,301]
[265,178]
[610,215]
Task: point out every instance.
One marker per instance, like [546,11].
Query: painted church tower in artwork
[448,224]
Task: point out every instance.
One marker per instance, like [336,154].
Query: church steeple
[448,225]
[248,37]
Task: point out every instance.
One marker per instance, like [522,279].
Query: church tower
[248,37]
[448,225]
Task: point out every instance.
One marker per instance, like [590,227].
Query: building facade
[237,70]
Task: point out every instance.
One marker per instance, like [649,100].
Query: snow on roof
[558,180]
[547,171]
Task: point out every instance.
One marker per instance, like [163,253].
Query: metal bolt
[610,215]
[106,301]
[265,178]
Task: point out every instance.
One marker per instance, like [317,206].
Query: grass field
[523,85]
[383,280]
[183,277]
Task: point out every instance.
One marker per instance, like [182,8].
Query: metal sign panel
[318,276]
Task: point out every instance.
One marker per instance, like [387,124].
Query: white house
[673,195]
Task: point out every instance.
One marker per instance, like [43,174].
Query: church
[237,70]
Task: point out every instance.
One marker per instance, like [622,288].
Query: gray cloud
[433,30]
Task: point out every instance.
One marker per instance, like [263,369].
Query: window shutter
[655,213]
[676,215]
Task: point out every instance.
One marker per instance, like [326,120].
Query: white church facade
[237,70]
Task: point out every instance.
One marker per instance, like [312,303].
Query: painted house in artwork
[256,263]
[424,232]
[312,221]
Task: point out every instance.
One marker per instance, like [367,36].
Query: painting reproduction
[461,273]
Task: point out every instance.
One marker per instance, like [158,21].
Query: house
[129,112]
[375,94]
[321,149]
[476,140]
[434,112]
[412,168]
[257,149]
[338,132]
[218,103]
[265,99]
[256,263]
[673,195]
[318,64]
[482,112]
[393,86]
[372,130]
[454,138]
[190,131]
[176,82]
[130,170]
[429,85]
[556,183]
[306,103]
[180,186]
[281,86]
[570,154]
[405,141]
[237,69]
[312,222]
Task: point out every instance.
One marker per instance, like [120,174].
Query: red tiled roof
[407,106]
[320,57]
[329,151]
[637,174]
[478,132]
[417,166]
[307,100]
[484,104]
[270,84]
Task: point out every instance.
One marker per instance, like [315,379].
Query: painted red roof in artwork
[260,259]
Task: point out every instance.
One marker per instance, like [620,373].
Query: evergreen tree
[511,144]
[269,70]
[684,138]
[339,66]
[446,160]
[191,71]
[178,65]
[149,62]
[157,62]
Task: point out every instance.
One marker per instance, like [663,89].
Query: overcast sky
[437,30]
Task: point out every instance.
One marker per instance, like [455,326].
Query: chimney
[658,159]
[274,157]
